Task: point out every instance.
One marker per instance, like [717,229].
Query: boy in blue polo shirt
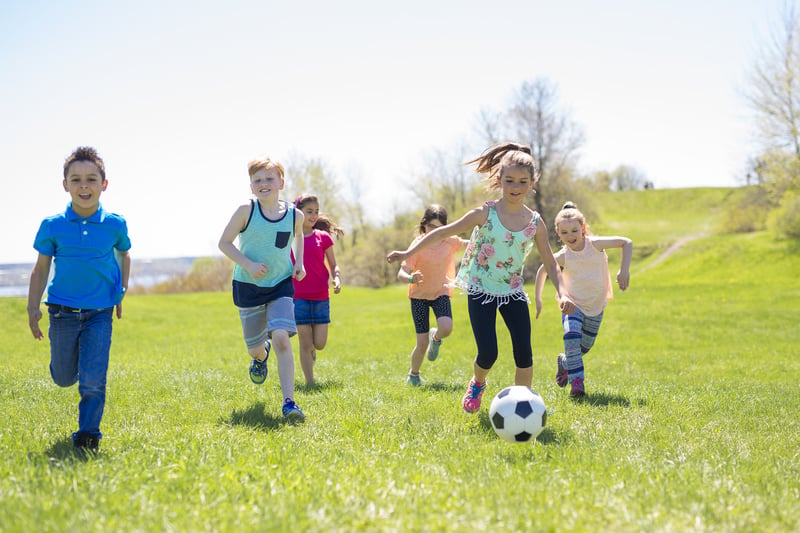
[89,247]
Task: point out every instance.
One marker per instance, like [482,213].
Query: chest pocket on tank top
[282,239]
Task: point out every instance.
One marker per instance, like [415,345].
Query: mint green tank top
[269,242]
[493,262]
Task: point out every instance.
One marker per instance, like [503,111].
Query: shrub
[746,212]
[207,274]
[784,221]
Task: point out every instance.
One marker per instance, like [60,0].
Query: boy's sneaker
[258,369]
[472,399]
[85,441]
[433,346]
[292,412]
[561,374]
[414,380]
[577,388]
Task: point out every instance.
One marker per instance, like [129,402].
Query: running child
[269,231]
[429,275]
[491,269]
[586,282]
[89,248]
[312,310]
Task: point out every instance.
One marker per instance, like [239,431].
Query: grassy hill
[690,424]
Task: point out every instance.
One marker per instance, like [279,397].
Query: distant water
[13,291]
[14,278]
[138,281]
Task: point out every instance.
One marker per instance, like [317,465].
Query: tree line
[771,199]
[533,116]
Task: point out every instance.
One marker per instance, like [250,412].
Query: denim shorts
[312,312]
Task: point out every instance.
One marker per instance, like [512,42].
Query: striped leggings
[580,332]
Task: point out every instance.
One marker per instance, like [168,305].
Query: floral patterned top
[492,264]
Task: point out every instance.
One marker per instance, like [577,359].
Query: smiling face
[310,211]
[84,183]
[266,184]
[572,233]
[515,182]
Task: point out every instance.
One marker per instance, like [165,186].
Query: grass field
[691,423]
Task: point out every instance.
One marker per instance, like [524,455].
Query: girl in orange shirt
[429,274]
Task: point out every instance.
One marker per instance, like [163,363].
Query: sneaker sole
[565,381]
[471,411]
[431,355]
[295,417]
[255,379]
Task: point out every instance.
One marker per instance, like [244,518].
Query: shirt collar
[97,217]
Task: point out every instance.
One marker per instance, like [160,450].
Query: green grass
[690,425]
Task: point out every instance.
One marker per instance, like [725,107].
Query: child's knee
[257,352]
[444,328]
[64,381]
[280,340]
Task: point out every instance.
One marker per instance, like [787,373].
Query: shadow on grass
[441,386]
[318,387]
[62,452]
[255,416]
[548,436]
[604,399]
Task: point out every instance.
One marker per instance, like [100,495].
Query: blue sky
[178,96]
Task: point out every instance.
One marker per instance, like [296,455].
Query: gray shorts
[259,322]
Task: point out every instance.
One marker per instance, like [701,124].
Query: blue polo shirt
[86,272]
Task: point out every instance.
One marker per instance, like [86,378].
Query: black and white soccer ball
[518,414]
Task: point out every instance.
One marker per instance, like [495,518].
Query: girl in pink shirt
[429,275]
[586,282]
[311,297]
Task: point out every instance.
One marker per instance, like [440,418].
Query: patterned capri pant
[580,332]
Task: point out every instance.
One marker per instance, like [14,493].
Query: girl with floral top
[491,269]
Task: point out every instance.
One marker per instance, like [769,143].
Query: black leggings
[518,321]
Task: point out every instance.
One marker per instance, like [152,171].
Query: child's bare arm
[473,218]
[549,263]
[125,264]
[603,243]
[299,271]
[336,275]
[227,247]
[38,282]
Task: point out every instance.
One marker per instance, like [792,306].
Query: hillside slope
[659,219]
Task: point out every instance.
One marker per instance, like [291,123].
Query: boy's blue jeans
[79,347]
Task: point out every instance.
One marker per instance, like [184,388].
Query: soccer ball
[518,414]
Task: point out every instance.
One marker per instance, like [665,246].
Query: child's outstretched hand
[396,255]
[337,285]
[623,279]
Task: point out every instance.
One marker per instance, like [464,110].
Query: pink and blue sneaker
[472,398]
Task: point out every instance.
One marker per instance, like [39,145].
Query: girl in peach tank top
[586,282]
[429,275]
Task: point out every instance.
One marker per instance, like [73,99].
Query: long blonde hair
[495,159]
